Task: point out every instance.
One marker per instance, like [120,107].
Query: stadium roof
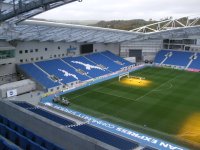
[50,31]
[14,11]
[172,28]
[183,32]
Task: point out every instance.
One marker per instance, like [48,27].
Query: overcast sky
[123,9]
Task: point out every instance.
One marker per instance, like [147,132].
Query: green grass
[163,107]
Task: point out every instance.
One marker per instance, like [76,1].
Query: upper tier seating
[179,58]
[45,113]
[5,145]
[149,148]
[84,64]
[116,58]
[23,138]
[38,75]
[61,70]
[106,137]
[196,63]
[99,134]
[103,60]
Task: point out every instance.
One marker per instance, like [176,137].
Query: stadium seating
[106,62]
[45,113]
[39,76]
[179,58]
[99,134]
[22,137]
[160,56]
[196,63]
[5,145]
[61,70]
[92,72]
[117,58]
[52,73]
[106,137]
[149,148]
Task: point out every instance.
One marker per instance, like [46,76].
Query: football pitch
[166,103]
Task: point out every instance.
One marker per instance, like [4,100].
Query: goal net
[130,76]
[123,75]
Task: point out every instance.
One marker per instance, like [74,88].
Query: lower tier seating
[160,56]
[106,62]
[116,58]
[188,60]
[196,62]
[39,76]
[61,70]
[86,65]
[52,73]
[179,58]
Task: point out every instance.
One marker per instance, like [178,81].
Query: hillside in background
[114,24]
[123,24]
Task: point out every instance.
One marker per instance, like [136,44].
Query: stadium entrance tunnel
[136,82]
[190,130]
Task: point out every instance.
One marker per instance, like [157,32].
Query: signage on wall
[11,93]
[72,49]
[120,131]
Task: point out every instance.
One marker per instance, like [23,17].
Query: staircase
[41,69]
[77,70]
[166,57]
[48,75]
[192,58]
[117,62]
[99,65]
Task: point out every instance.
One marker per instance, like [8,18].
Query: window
[41,57]
[63,55]
[37,58]
[58,55]
[58,47]
[36,50]
[54,56]
[31,51]
[58,88]
[20,51]
[26,51]
[32,59]
[46,49]
[21,60]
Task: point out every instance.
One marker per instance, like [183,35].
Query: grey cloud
[123,9]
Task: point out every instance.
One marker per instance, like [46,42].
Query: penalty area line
[115,95]
[155,89]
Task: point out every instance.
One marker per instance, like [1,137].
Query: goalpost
[123,75]
[129,76]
